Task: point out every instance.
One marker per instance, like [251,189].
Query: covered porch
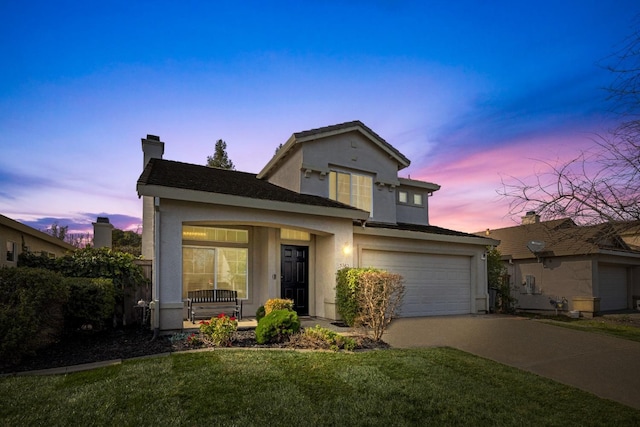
[260,254]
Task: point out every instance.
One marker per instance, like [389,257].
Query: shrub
[379,298]
[91,301]
[220,330]
[31,310]
[30,259]
[346,290]
[277,326]
[105,263]
[498,279]
[278,304]
[323,338]
[260,313]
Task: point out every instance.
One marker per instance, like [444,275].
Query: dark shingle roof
[562,237]
[167,173]
[431,229]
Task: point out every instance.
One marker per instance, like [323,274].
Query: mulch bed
[89,347]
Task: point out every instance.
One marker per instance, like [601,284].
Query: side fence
[133,312]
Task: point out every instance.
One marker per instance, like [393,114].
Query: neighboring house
[593,267]
[630,233]
[329,198]
[16,238]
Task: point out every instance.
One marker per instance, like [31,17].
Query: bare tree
[379,298]
[58,231]
[601,184]
[79,240]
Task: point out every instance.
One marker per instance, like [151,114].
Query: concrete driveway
[605,366]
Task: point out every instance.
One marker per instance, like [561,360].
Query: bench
[205,303]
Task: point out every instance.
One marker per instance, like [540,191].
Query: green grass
[616,329]
[438,386]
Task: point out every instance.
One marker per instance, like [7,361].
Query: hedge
[91,303]
[347,280]
[31,310]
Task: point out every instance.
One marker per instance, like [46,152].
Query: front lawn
[616,326]
[438,386]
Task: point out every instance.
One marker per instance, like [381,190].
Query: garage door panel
[612,283]
[434,284]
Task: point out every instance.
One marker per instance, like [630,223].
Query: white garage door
[435,284]
[612,282]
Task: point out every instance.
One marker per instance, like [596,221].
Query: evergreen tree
[220,159]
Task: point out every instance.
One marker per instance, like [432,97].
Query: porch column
[334,251]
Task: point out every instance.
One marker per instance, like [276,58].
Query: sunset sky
[471,92]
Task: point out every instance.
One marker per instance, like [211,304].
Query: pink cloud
[469,200]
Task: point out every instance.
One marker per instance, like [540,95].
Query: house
[16,238]
[593,267]
[330,197]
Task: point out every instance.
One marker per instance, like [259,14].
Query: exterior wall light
[346,249]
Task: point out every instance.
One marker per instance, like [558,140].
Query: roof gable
[327,131]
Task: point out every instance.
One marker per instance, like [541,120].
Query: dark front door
[294,283]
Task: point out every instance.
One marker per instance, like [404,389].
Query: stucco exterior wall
[32,242]
[148,227]
[287,175]
[352,152]
[384,204]
[556,278]
[264,249]
[332,253]
[635,286]
[411,214]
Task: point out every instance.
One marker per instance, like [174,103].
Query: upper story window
[351,189]
[410,198]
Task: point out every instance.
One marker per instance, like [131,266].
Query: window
[289,234]
[351,189]
[215,258]
[405,196]
[213,234]
[11,251]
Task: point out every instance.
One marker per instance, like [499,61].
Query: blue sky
[469,91]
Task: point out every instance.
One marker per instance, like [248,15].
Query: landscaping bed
[88,347]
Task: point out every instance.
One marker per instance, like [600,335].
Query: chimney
[102,230]
[530,218]
[152,148]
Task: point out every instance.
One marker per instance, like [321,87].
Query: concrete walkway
[605,366]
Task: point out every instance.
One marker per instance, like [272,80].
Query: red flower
[221,315]
[232,318]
